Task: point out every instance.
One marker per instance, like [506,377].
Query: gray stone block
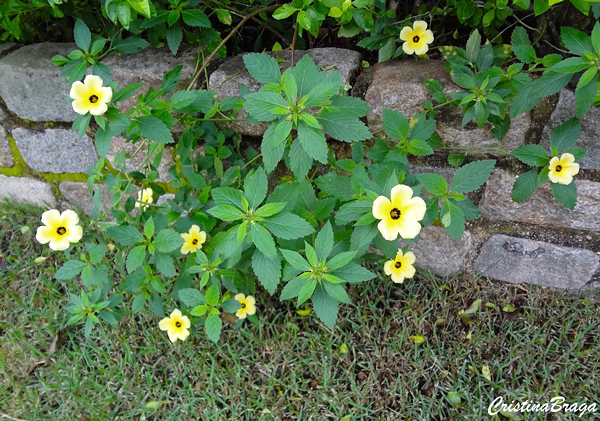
[149,67]
[55,150]
[29,190]
[5,46]
[227,79]
[32,87]
[520,260]
[542,208]
[6,159]
[589,136]
[437,252]
[118,144]
[398,85]
[77,194]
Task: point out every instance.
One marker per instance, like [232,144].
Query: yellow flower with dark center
[60,229]
[401,267]
[90,96]
[417,38]
[400,215]
[176,326]
[248,306]
[193,240]
[563,169]
[144,196]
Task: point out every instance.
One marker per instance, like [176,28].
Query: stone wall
[538,241]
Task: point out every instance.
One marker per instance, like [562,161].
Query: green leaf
[288,226]
[585,96]
[262,67]
[455,159]
[471,176]
[595,38]
[566,195]
[299,161]
[195,17]
[337,292]
[224,196]
[340,260]
[164,264]
[126,92]
[395,124]
[352,211]
[340,127]
[154,129]
[138,304]
[306,292]
[268,271]
[549,84]
[293,288]
[313,142]
[231,306]
[565,135]
[212,295]
[102,141]
[82,34]
[320,94]
[350,106]
[69,270]
[125,235]
[130,45]
[473,46]
[296,260]
[324,242]
[191,297]
[213,326]
[167,240]
[334,185]
[226,213]
[255,188]
[525,186]
[434,183]
[174,38]
[325,307]
[265,106]
[571,65]
[284,12]
[522,46]
[577,42]
[353,273]
[419,147]
[135,258]
[263,240]
[270,209]
[423,130]
[534,155]
[453,220]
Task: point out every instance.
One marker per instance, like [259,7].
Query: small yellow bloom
[401,267]
[193,240]
[176,326]
[416,38]
[248,306]
[562,170]
[401,215]
[90,96]
[144,196]
[60,229]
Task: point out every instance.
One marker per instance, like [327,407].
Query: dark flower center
[61,231]
[416,39]
[93,99]
[395,213]
[558,168]
[195,241]
[398,265]
[243,305]
[177,324]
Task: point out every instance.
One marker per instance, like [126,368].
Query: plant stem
[294,44]
[222,43]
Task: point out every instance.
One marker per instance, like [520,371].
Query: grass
[292,367]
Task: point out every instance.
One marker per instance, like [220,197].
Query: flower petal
[572,169]
[69,218]
[81,106]
[405,34]
[400,195]
[74,234]
[388,230]
[421,49]
[427,36]
[107,93]
[165,324]
[408,48]
[59,245]
[78,90]
[186,322]
[250,299]
[93,83]
[380,207]
[51,218]
[408,228]
[44,234]
[567,158]
[387,267]
[175,313]
[99,109]
[239,296]
[419,27]
[397,278]
[414,208]
[172,335]
[184,335]
[409,258]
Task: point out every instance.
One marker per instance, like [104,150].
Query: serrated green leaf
[566,195]
[395,124]
[125,235]
[295,259]
[255,188]
[135,258]
[213,326]
[154,129]
[585,97]
[473,46]
[434,183]
[263,240]
[288,226]
[167,241]
[340,260]
[340,127]
[306,291]
[195,17]
[320,94]
[82,34]
[272,148]
[337,292]
[227,196]
[265,106]
[471,176]
[525,186]
[292,288]
[191,297]
[299,161]
[324,242]
[534,155]
[566,134]
[522,46]
[226,213]
[69,270]
[262,67]
[576,41]
[164,264]
[313,142]
[268,271]
[419,147]
[325,307]
[270,209]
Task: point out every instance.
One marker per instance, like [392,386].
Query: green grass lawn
[292,367]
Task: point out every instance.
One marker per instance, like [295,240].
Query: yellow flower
[90,96]
[401,215]
[562,170]
[248,306]
[60,229]
[176,326]
[144,196]
[193,240]
[416,38]
[401,267]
